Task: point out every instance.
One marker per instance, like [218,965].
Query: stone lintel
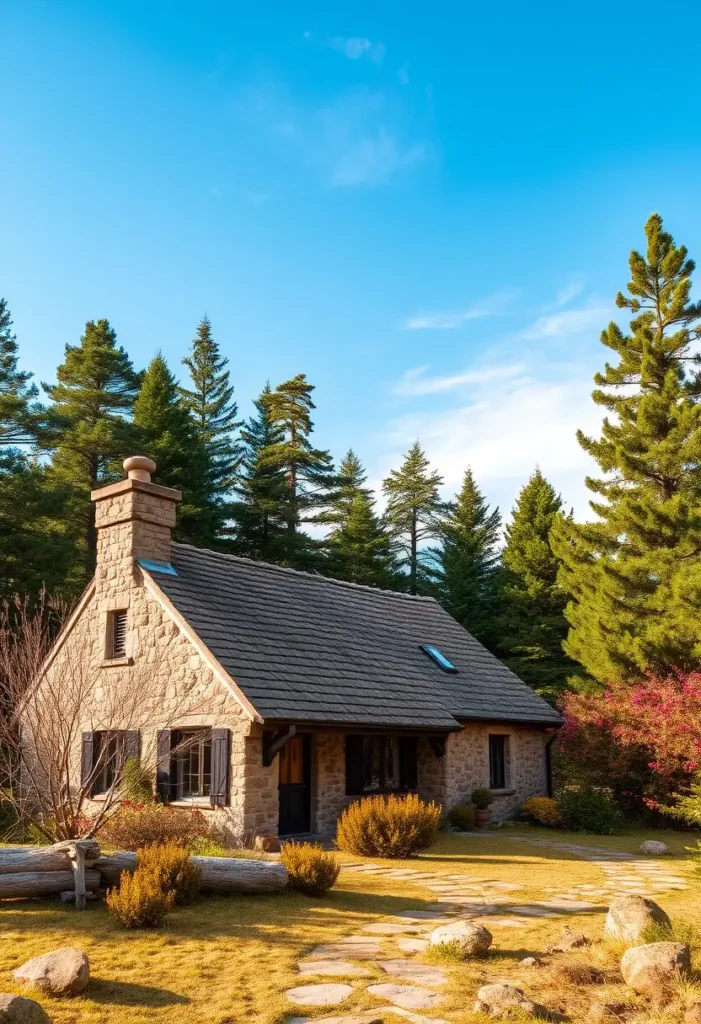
[125,486]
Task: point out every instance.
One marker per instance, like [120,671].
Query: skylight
[439,658]
[164,567]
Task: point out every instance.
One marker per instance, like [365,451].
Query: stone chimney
[134,519]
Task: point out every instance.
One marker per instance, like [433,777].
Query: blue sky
[426,208]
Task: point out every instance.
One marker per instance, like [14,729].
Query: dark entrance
[295,785]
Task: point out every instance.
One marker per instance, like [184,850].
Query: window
[439,658]
[108,759]
[192,756]
[116,646]
[379,763]
[497,762]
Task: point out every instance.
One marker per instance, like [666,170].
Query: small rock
[569,940]
[531,961]
[18,1010]
[608,1012]
[629,916]
[470,939]
[499,999]
[653,968]
[62,972]
[653,848]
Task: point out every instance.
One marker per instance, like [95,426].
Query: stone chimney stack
[134,519]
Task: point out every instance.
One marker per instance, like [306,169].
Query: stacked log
[219,874]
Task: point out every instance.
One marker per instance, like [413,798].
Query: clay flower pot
[483,816]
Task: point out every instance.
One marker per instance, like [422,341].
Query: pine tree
[17,393]
[414,514]
[260,526]
[633,575]
[309,474]
[467,562]
[91,430]
[533,625]
[214,411]
[168,435]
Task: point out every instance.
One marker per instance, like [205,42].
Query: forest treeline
[555,599]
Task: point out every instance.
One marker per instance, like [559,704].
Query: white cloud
[493,305]
[403,74]
[568,322]
[356,47]
[569,292]
[414,382]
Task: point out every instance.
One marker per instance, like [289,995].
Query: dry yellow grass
[229,960]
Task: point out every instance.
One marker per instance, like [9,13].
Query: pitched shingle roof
[305,648]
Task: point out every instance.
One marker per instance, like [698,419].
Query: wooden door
[295,786]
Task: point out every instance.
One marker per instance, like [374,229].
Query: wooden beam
[273,745]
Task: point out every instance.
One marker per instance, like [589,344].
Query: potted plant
[482,798]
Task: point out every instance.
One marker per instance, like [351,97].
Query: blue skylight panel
[439,658]
[163,567]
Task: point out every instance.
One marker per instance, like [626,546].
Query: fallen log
[219,874]
[19,884]
[22,859]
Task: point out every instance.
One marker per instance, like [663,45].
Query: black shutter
[354,765]
[408,773]
[221,756]
[86,757]
[163,764]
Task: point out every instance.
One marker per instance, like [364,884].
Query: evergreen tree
[414,514]
[90,425]
[260,525]
[467,562]
[533,625]
[309,474]
[633,575]
[168,435]
[17,393]
[351,481]
[214,411]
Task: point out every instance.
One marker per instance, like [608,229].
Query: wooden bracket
[273,744]
[438,745]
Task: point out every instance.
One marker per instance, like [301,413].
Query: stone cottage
[276,697]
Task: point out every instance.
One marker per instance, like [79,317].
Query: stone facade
[166,679]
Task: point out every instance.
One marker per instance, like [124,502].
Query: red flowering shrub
[642,740]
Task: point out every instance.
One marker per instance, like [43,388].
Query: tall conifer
[633,575]
[17,392]
[533,625]
[414,514]
[467,561]
[91,429]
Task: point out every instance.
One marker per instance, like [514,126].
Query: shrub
[170,864]
[135,826]
[139,901]
[544,810]
[482,798]
[206,846]
[136,784]
[388,826]
[311,869]
[588,810]
[462,817]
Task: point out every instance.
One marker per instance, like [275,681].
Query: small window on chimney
[117,634]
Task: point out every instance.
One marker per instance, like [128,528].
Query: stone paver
[407,996]
[331,967]
[388,928]
[419,974]
[412,945]
[319,995]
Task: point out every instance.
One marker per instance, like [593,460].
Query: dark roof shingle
[310,649]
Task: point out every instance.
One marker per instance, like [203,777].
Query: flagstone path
[391,945]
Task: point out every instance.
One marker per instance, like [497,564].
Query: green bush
[388,826]
[170,864]
[588,810]
[482,798]
[205,846]
[139,901]
[462,817]
[544,810]
[136,783]
[311,869]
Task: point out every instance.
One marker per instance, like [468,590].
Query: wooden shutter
[408,772]
[354,765]
[221,757]
[119,634]
[163,764]
[86,757]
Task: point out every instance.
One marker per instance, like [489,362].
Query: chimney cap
[139,467]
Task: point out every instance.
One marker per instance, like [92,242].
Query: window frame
[498,762]
[182,743]
[112,651]
[406,755]
[108,775]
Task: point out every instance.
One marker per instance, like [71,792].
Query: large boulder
[467,938]
[62,972]
[498,1000]
[18,1010]
[651,970]
[654,848]
[630,915]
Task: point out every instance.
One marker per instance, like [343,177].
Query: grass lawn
[229,959]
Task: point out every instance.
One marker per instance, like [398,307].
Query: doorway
[295,786]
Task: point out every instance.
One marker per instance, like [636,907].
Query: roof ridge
[302,572]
